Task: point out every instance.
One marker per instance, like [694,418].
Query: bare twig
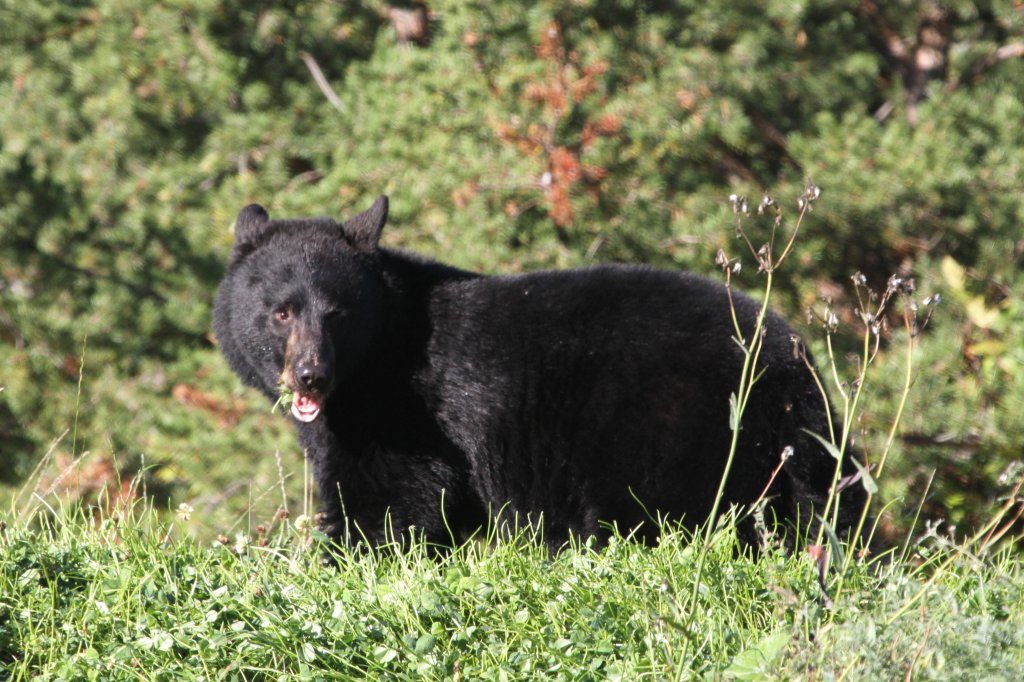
[321,81]
[986,63]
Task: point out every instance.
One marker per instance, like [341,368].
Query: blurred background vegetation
[510,136]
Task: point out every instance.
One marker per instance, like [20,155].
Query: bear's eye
[282,314]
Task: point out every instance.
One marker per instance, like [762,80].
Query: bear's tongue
[305,408]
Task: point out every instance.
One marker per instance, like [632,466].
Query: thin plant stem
[35,471]
[850,402]
[908,378]
[750,357]
[748,377]
[824,396]
[958,552]
[894,427]
[917,517]
[78,397]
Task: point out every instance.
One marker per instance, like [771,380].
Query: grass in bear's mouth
[286,396]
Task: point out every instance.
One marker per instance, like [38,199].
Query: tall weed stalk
[873,314]
[751,347]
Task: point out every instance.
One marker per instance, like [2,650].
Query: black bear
[440,400]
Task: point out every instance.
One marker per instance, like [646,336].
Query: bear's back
[623,372]
[618,312]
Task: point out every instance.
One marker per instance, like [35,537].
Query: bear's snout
[313,376]
[308,361]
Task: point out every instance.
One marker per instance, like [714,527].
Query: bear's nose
[312,376]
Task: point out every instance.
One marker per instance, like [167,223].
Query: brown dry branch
[567,84]
[227,413]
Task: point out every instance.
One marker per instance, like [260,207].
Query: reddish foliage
[227,414]
[72,365]
[565,167]
[561,208]
[595,174]
[464,194]
[96,481]
[566,85]
[556,100]
[550,45]
[536,92]
[608,124]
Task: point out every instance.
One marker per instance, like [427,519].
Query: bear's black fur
[442,399]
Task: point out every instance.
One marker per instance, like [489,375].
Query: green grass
[131,598]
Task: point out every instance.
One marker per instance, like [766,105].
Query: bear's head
[301,302]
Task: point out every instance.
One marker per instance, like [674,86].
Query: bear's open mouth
[305,407]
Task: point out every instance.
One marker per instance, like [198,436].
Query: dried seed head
[858,278]
[184,511]
[1012,473]
[787,452]
[739,204]
[900,285]
[811,193]
[766,202]
[798,346]
[764,258]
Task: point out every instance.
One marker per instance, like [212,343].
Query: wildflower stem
[751,354]
[78,397]
[824,396]
[804,207]
[908,378]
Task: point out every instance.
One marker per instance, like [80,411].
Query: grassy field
[131,597]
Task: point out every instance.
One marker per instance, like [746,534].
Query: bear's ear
[250,230]
[250,218]
[363,231]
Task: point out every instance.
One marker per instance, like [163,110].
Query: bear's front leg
[391,498]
